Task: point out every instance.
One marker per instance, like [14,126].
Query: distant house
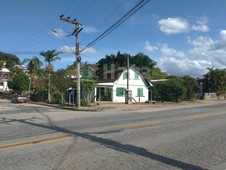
[4,76]
[112,86]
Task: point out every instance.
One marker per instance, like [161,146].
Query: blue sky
[183,37]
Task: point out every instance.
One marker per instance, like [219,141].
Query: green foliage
[50,56]
[215,81]
[19,83]
[140,60]
[156,73]
[60,80]
[10,59]
[172,90]
[88,85]
[191,85]
[57,97]
[33,64]
[1,64]
[40,94]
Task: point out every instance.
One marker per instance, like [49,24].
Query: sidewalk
[104,106]
[153,106]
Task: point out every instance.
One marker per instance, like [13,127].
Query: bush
[57,97]
[172,90]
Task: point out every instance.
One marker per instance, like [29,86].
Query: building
[112,86]
[4,76]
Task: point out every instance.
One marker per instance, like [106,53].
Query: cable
[138,6]
[98,26]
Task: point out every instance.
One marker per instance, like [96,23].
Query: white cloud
[89,50]
[183,67]
[59,33]
[195,60]
[179,25]
[177,62]
[89,30]
[67,49]
[170,52]
[200,28]
[149,47]
[223,35]
[173,25]
[219,44]
[71,50]
[201,25]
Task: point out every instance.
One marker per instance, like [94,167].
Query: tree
[140,60]
[19,83]
[191,85]
[88,81]
[50,56]
[10,59]
[34,65]
[88,85]
[156,73]
[215,81]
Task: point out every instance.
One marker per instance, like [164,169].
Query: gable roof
[111,76]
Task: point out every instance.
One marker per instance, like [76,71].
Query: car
[19,99]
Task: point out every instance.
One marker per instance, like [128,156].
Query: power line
[132,11]
[98,26]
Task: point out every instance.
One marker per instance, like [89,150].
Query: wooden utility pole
[77,30]
[127,89]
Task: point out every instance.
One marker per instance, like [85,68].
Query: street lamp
[55,31]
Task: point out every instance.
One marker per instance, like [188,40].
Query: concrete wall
[213,96]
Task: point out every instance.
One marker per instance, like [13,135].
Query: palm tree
[34,64]
[50,56]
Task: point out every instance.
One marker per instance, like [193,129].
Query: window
[125,75]
[120,91]
[136,76]
[140,92]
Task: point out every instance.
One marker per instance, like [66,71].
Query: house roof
[4,70]
[111,76]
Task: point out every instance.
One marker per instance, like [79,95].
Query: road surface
[185,137]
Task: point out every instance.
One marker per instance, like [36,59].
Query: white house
[4,75]
[113,86]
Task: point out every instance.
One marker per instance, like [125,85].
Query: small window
[140,92]
[136,76]
[120,91]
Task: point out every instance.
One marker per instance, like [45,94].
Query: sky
[183,37]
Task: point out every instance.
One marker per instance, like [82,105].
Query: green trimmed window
[120,91]
[140,92]
[136,76]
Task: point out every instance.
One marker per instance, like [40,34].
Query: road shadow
[112,144]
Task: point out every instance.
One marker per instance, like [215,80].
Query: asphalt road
[37,137]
